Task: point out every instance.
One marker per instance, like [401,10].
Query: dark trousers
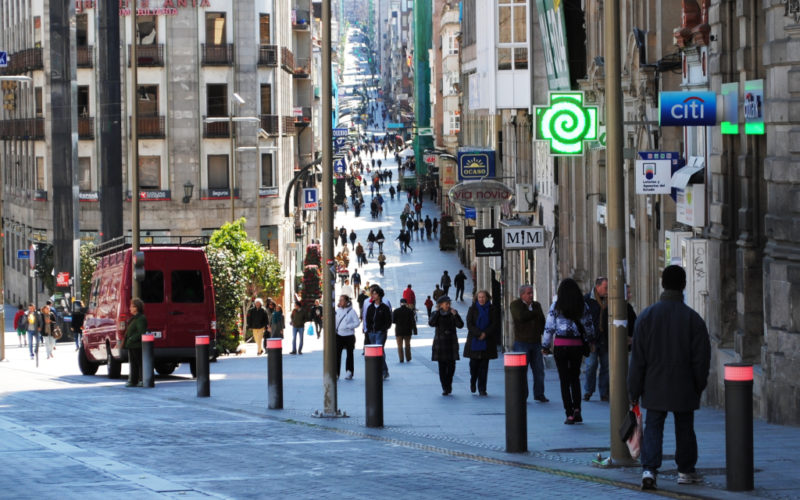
[347,342]
[446,371]
[653,440]
[460,293]
[568,362]
[135,362]
[404,346]
[479,371]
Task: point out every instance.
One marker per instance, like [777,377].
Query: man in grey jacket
[671,355]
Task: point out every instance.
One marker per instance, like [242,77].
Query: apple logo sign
[488,242]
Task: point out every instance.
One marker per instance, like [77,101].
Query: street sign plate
[3,59]
[310,199]
[425,131]
[523,238]
[23,254]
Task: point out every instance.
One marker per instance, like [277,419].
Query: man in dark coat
[377,321]
[445,282]
[459,281]
[445,341]
[597,300]
[528,324]
[669,369]
[405,325]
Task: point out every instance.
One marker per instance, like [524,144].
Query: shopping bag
[310,330]
[634,442]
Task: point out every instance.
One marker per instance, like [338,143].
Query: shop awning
[690,174]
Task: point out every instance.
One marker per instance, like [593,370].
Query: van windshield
[152,289]
[187,287]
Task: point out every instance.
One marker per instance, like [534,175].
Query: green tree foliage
[88,266]
[241,268]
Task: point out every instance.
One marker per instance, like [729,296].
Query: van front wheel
[86,366]
[166,368]
[114,365]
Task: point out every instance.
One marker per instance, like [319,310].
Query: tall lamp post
[2,260]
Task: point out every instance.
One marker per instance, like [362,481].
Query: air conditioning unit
[695,260]
[525,197]
[672,246]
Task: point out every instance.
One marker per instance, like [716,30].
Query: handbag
[587,349]
[634,442]
[57,334]
[310,330]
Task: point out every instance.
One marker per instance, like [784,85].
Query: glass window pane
[150,172]
[217,171]
[217,99]
[187,287]
[263,29]
[503,58]
[266,171]
[152,288]
[504,24]
[39,173]
[520,25]
[520,58]
[85,173]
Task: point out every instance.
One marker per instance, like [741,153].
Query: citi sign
[687,109]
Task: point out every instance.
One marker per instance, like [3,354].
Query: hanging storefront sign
[687,109]
[479,194]
[475,163]
[566,123]
[691,205]
[523,238]
[654,171]
[488,242]
[554,42]
[754,107]
[730,103]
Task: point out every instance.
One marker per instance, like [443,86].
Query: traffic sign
[23,254]
[310,199]
[3,59]
[339,166]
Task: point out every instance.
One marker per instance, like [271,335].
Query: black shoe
[542,399]
[587,396]
[577,417]
[570,420]
[603,398]
[484,393]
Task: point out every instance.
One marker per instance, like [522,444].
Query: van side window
[94,293]
[187,287]
[153,287]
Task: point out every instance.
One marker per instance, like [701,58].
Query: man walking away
[405,325]
[597,300]
[437,292]
[459,281]
[528,320]
[445,282]
[669,371]
[258,321]
[410,296]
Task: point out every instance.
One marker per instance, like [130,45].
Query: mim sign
[522,238]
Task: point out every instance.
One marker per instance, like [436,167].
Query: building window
[512,34]
[218,172]
[264,29]
[217,99]
[146,28]
[150,172]
[147,102]
[266,99]
[452,45]
[38,99]
[453,124]
[215,28]
[267,171]
[39,173]
[85,173]
[83,101]
[81,30]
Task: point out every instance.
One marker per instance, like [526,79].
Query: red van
[178,300]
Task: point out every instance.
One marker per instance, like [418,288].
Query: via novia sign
[566,123]
[310,199]
[687,109]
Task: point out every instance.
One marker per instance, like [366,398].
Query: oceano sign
[477,194]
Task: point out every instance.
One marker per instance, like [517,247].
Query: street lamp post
[2,260]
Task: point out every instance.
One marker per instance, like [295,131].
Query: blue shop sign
[475,164]
[687,109]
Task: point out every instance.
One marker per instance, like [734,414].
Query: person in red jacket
[410,297]
[429,305]
[20,326]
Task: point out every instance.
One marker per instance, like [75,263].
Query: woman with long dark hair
[570,330]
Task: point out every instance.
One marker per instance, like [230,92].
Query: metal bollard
[201,349]
[373,376]
[516,370]
[148,378]
[275,373]
[739,426]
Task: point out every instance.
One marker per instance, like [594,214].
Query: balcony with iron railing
[149,127]
[84,56]
[24,61]
[270,124]
[22,128]
[86,127]
[268,55]
[217,55]
[148,55]
[301,19]
[287,60]
[302,68]
[216,130]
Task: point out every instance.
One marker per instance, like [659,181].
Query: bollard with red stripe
[516,369]
[275,373]
[148,377]
[739,426]
[201,351]
[373,376]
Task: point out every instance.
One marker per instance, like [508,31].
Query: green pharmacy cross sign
[566,123]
